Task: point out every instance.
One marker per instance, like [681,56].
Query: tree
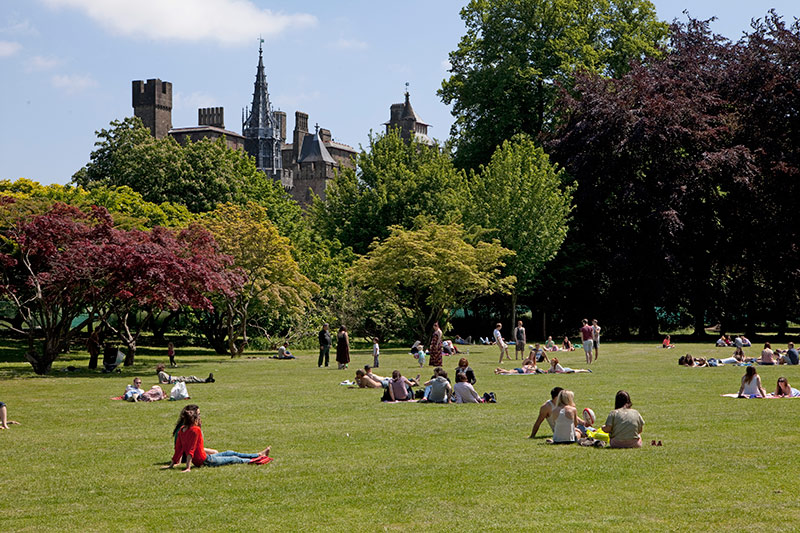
[273,285]
[46,277]
[199,175]
[431,271]
[392,184]
[518,198]
[515,53]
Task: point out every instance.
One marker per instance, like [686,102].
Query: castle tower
[262,128]
[404,117]
[152,102]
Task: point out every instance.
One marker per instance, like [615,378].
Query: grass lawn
[344,461]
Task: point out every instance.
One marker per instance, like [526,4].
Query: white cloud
[350,44]
[192,101]
[19,27]
[230,22]
[72,83]
[42,63]
[9,48]
[296,100]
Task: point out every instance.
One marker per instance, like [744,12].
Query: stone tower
[152,102]
[262,128]
[404,117]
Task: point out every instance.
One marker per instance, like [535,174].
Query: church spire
[260,128]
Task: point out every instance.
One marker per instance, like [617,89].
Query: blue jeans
[229,458]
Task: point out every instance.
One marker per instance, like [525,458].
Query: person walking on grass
[588,344]
[171,355]
[498,339]
[520,338]
[376,352]
[325,343]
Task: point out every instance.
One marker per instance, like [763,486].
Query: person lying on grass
[528,367]
[189,446]
[365,382]
[689,360]
[556,368]
[133,392]
[751,384]
[624,425]
[163,377]
[4,421]
[784,390]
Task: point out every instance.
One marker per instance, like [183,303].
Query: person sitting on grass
[528,367]
[283,352]
[399,388]
[767,356]
[565,430]
[463,391]
[163,377]
[440,390]
[550,345]
[784,390]
[189,446]
[537,354]
[566,345]
[464,368]
[546,412]
[133,392]
[790,357]
[624,425]
[4,421]
[556,368]
[746,342]
[751,384]
[667,343]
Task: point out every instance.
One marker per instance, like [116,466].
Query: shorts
[503,346]
[588,345]
[519,371]
[595,343]
[520,346]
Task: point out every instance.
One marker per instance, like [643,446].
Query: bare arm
[741,388]
[544,412]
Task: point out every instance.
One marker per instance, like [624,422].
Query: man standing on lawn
[595,337]
[498,338]
[520,339]
[586,337]
[325,344]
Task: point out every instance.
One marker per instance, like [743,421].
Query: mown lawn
[344,461]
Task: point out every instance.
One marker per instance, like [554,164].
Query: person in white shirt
[498,338]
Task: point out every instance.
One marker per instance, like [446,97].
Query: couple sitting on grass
[623,425]
[189,447]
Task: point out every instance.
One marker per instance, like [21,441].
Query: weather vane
[407,84]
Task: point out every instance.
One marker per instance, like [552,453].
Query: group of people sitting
[623,424]
[740,341]
[751,387]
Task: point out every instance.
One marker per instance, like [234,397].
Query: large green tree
[199,175]
[392,184]
[431,271]
[515,53]
[519,199]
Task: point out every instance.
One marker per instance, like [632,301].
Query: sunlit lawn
[344,461]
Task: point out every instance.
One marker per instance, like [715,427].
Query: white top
[465,393]
[595,333]
[751,389]
[564,431]
[376,350]
[498,337]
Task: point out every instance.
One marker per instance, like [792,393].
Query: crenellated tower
[264,129]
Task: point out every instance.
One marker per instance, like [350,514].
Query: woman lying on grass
[528,367]
[556,368]
[751,384]
[784,390]
[189,445]
[624,425]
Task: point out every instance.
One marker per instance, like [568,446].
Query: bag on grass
[179,392]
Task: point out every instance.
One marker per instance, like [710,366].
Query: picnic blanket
[403,401]
[768,397]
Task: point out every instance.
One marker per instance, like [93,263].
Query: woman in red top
[189,446]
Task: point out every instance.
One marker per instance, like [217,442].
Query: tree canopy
[507,67]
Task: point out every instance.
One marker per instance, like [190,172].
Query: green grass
[344,461]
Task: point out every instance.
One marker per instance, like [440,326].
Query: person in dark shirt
[325,343]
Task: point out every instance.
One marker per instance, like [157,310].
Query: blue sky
[66,65]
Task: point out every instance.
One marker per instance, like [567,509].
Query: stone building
[303,166]
[404,117]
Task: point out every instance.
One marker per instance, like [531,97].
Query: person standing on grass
[325,343]
[586,337]
[498,338]
[171,355]
[435,351]
[189,446]
[624,425]
[4,421]
[595,337]
[520,338]
[342,348]
[376,352]
[546,412]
